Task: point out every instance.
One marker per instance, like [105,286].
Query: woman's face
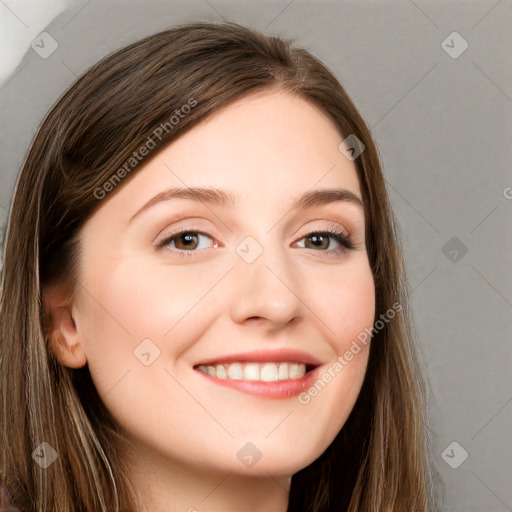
[255,281]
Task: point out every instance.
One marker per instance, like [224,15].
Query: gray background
[443,128]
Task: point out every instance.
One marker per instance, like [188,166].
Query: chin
[278,461]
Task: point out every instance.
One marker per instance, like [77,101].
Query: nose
[266,290]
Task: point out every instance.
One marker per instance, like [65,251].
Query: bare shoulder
[6,500]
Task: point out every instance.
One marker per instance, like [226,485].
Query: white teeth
[295,370]
[220,372]
[235,371]
[265,372]
[269,373]
[252,371]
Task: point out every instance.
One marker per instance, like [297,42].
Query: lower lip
[279,389]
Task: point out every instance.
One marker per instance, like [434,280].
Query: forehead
[269,145]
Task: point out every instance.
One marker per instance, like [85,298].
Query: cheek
[346,305]
[140,299]
[352,319]
[127,303]
[346,321]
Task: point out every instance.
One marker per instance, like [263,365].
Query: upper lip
[282,355]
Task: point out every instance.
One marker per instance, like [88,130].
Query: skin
[267,149]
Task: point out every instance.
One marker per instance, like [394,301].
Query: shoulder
[6,500]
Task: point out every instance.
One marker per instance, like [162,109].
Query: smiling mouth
[257,372]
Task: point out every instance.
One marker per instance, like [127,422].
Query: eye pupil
[318,240]
[188,238]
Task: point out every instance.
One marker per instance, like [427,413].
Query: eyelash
[344,240]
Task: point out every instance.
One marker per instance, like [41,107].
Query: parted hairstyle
[381,459]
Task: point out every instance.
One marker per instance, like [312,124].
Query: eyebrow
[227,199]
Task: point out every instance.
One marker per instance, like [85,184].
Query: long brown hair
[379,462]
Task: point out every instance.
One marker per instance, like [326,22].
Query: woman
[202,285]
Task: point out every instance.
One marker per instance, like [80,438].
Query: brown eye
[186,241]
[321,240]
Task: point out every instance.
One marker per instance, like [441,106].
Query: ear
[64,340]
